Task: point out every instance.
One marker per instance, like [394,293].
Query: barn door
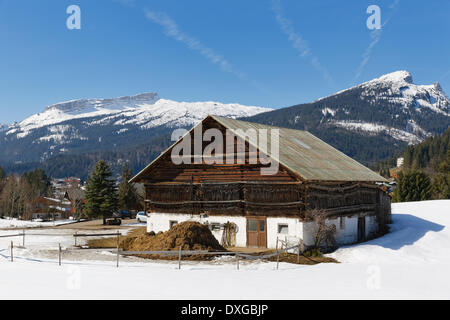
[361,228]
[256,232]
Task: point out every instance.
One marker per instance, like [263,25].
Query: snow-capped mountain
[374,119]
[144,110]
[92,124]
[397,89]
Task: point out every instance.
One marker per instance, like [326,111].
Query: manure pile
[187,235]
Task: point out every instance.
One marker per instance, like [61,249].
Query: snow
[326,111]
[15,223]
[404,91]
[411,262]
[396,76]
[402,135]
[145,110]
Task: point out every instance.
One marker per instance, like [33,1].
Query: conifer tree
[413,186]
[128,195]
[101,193]
[441,183]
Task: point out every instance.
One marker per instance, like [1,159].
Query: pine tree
[128,195]
[441,183]
[39,181]
[413,186]
[101,193]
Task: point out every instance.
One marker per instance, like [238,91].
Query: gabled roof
[302,153]
[75,194]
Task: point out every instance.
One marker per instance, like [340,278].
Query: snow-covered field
[412,262]
[15,223]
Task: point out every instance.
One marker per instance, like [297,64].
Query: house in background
[49,208]
[393,172]
[77,200]
[247,209]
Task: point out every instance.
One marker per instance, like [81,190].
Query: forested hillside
[426,167]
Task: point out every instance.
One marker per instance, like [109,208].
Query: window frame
[282,225]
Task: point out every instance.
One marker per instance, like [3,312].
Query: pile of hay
[187,235]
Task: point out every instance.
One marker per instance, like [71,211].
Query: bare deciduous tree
[324,233]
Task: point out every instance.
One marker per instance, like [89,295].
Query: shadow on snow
[405,230]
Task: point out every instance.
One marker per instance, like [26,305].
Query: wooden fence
[180,252]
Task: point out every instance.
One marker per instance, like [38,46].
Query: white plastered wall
[346,233]
[294,235]
[160,222]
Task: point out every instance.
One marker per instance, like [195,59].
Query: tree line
[425,173]
[104,195]
[18,194]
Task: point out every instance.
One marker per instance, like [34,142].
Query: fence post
[118,242]
[179,259]
[237,261]
[23,238]
[277,245]
[298,252]
[278,259]
[59,253]
[75,237]
[12,256]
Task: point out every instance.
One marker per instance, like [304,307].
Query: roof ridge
[257,123]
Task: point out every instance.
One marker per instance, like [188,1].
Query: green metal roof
[307,155]
[300,152]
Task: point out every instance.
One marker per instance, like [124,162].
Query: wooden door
[361,228]
[256,232]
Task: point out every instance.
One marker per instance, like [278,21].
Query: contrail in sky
[171,30]
[375,35]
[298,42]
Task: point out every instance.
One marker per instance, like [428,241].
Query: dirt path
[98,225]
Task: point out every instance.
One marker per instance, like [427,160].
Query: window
[283,228]
[342,223]
[262,226]
[172,223]
[253,225]
[215,226]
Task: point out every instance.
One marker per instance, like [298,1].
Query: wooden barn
[245,206]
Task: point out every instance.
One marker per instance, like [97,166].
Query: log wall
[241,189]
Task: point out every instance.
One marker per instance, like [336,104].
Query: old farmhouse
[245,206]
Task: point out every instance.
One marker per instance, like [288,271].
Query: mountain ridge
[98,124]
[369,122]
[387,114]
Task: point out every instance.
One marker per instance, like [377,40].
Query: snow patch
[145,111]
[374,128]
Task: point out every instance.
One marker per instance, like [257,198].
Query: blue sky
[272,53]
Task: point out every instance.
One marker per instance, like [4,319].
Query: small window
[262,225]
[342,223]
[215,226]
[283,228]
[172,223]
[253,225]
